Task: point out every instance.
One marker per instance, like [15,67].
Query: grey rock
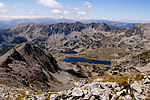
[77,92]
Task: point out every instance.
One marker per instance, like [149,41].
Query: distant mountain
[122,24]
[14,22]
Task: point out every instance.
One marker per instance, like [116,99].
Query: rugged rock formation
[26,64]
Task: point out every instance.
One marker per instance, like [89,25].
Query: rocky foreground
[85,90]
[99,90]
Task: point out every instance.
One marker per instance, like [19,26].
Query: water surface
[78,59]
[69,52]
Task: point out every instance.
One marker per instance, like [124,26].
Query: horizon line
[9,18]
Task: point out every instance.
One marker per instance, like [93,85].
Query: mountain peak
[28,62]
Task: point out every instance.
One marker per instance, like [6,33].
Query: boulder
[77,92]
[137,88]
[97,91]
[53,97]
[147,81]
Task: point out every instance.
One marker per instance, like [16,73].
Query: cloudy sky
[120,10]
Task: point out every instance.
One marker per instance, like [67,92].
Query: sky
[117,10]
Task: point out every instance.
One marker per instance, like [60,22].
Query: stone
[53,96]
[87,96]
[27,93]
[77,92]
[85,92]
[107,95]
[137,88]
[121,92]
[147,81]
[118,88]
[95,85]
[92,98]
[128,97]
[97,91]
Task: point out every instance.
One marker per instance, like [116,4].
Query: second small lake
[77,59]
[69,52]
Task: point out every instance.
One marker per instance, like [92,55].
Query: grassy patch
[121,80]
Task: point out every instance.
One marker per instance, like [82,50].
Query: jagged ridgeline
[30,67]
[27,64]
[53,36]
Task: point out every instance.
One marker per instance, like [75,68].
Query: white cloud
[2,10]
[31,11]
[59,11]
[50,3]
[88,4]
[7,17]
[81,13]
[2,7]
[66,12]
[75,8]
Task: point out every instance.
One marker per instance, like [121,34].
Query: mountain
[14,22]
[27,66]
[95,41]
[116,23]
[47,36]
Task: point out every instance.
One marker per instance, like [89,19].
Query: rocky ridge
[30,67]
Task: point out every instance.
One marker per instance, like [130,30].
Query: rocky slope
[27,64]
[30,67]
[99,90]
[132,87]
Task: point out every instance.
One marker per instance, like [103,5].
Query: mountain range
[32,60]
[14,22]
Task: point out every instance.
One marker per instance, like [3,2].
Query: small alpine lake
[69,52]
[78,59]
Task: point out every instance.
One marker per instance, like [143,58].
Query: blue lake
[77,59]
